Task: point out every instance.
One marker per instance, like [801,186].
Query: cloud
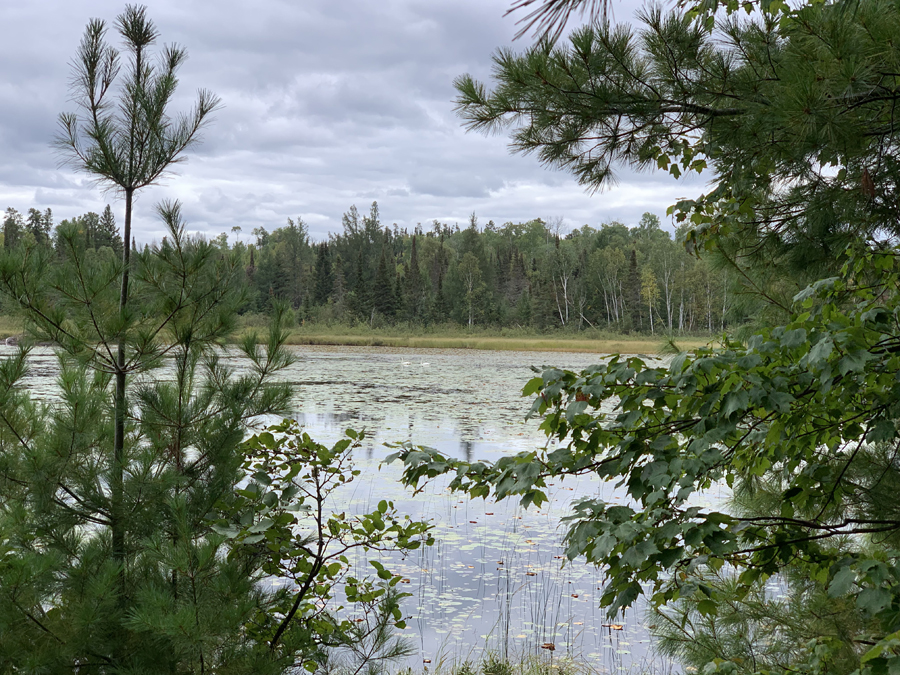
[324,105]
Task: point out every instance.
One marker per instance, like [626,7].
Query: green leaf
[533,386]
[873,600]
[842,582]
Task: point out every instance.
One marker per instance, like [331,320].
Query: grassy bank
[542,344]
[455,337]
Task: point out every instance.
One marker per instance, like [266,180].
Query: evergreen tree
[361,303]
[13,225]
[68,488]
[106,510]
[128,149]
[292,250]
[323,275]
[439,309]
[107,233]
[414,290]
[40,224]
[383,292]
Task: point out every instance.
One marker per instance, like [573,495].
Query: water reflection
[496,577]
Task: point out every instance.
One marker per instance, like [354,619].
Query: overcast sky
[326,104]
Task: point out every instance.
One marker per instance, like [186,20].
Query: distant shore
[452,337]
[550,343]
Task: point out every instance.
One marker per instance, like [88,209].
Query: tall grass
[454,336]
[10,326]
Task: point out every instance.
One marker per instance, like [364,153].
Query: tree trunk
[117,479]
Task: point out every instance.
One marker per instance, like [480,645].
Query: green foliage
[132,140]
[283,519]
[113,486]
[792,106]
[175,599]
[805,407]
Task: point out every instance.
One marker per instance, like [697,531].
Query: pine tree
[128,150]
[110,564]
[67,488]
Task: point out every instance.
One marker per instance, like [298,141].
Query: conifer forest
[528,275]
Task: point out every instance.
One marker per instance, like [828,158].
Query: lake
[495,578]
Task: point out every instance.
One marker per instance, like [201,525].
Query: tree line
[532,274]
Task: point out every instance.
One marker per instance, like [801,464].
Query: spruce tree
[439,309]
[361,302]
[324,278]
[107,233]
[383,292]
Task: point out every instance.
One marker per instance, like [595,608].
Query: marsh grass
[451,336]
[10,326]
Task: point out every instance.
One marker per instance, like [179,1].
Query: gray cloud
[324,105]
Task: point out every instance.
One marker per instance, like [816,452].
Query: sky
[325,105]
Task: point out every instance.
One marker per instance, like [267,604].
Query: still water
[495,578]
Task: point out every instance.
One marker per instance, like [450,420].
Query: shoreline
[617,345]
[535,343]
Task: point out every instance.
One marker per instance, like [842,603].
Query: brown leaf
[867,184]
